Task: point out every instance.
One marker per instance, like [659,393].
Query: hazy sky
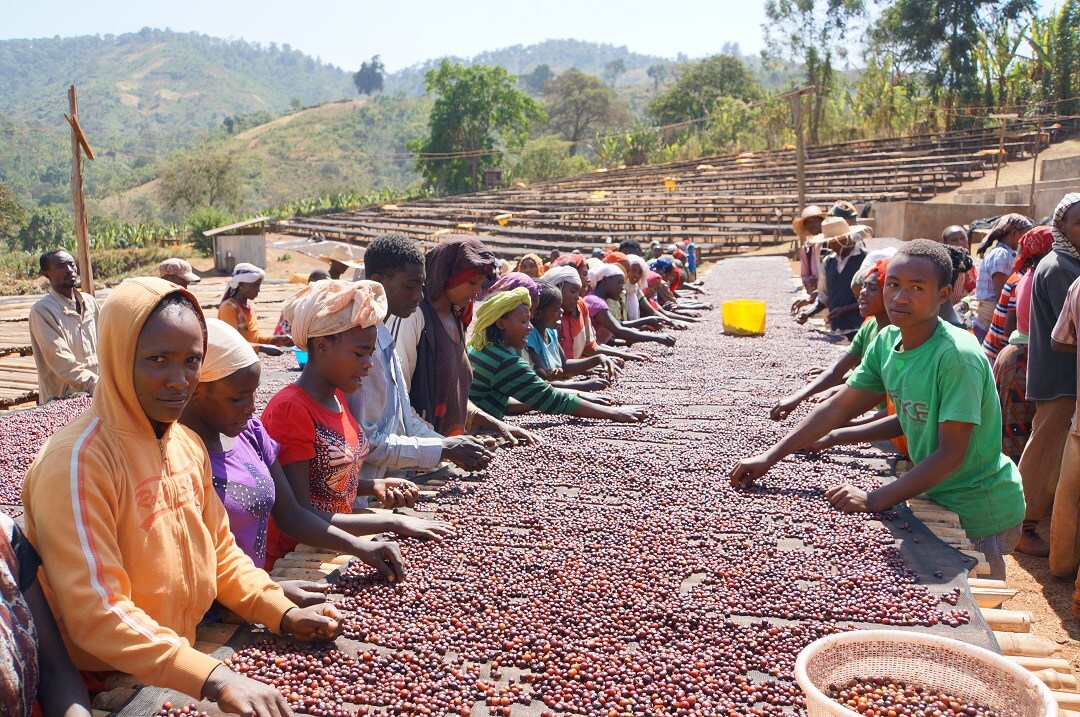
[407,31]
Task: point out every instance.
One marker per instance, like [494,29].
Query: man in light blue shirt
[398,437]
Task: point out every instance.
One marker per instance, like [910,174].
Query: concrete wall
[922,220]
[1047,194]
[1064,168]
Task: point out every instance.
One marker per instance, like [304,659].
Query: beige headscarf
[226,352]
[330,307]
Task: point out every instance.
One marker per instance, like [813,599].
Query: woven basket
[938,663]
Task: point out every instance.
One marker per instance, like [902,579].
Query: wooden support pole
[796,96]
[1001,143]
[1034,166]
[82,235]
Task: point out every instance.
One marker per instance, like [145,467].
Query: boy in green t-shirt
[947,407]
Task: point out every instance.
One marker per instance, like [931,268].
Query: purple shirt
[243,482]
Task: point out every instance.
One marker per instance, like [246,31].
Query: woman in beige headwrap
[321,444]
[250,481]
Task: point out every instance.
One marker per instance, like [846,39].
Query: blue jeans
[996,546]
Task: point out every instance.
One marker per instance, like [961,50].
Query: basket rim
[916,638]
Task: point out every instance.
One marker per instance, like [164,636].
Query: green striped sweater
[500,374]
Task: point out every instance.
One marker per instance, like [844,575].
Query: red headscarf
[1034,245]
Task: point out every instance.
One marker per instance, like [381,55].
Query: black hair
[43,260]
[176,301]
[494,335]
[388,253]
[961,261]
[318,275]
[630,246]
[937,253]
[549,294]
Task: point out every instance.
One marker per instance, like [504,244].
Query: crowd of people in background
[985,407]
[415,364]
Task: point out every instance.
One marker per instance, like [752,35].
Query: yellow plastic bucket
[743,317]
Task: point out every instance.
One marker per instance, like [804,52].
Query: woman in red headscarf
[1010,364]
[431,342]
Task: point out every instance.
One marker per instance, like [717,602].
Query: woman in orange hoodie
[134,541]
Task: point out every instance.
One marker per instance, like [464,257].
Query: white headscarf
[332,306]
[1060,242]
[226,352]
[243,273]
[634,292]
[599,273]
[559,275]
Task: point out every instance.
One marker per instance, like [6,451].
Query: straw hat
[838,228]
[342,254]
[799,224]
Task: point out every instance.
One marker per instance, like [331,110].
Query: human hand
[422,528]
[629,414]
[783,408]
[802,317]
[304,592]
[466,452]
[592,384]
[317,622]
[396,492]
[799,303]
[384,556]
[282,341]
[666,339]
[236,694]
[850,499]
[515,435]
[269,350]
[749,470]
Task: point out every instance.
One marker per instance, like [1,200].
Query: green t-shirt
[863,338]
[949,379]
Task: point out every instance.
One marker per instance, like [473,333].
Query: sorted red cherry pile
[612,570]
[882,697]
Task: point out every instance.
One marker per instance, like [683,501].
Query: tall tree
[12,216]
[478,112]
[696,91]
[943,37]
[369,78]
[536,81]
[813,33]
[657,73]
[579,105]
[201,180]
[613,69]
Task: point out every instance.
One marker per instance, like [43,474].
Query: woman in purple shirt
[252,485]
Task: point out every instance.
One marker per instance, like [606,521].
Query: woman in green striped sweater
[500,329]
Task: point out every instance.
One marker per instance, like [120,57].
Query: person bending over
[399,438]
[251,483]
[502,325]
[872,309]
[134,542]
[947,408]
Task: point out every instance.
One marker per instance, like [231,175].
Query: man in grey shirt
[1051,386]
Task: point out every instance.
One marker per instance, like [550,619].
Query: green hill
[142,96]
[356,145]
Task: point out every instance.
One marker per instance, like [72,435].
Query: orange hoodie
[134,542]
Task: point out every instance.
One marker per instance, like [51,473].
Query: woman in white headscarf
[237,308]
